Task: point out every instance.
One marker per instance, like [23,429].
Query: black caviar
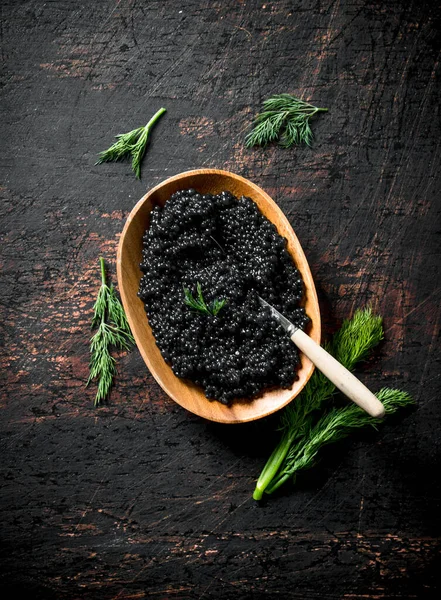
[234,253]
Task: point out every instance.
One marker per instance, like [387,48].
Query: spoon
[185,393]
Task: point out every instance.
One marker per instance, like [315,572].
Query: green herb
[285,119]
[304,429]
[333,426]
[112,330]
[133,143]
[199,303]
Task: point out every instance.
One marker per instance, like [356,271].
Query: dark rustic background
[140,498]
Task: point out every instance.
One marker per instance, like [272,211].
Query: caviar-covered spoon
[185,393]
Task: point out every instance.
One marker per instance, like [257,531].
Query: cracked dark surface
[139,498]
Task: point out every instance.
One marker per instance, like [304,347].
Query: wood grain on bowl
[185,393]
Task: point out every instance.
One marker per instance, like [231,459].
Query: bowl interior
[183,392]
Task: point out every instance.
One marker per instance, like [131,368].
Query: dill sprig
[285,119]
[300,424]
[333,426]
[112,331]
[121,148]
[133,143]
[199,303]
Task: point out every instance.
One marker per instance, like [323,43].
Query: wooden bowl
[183,392]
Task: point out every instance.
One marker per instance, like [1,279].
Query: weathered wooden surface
[139,498]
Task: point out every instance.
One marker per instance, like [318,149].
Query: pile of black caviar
[225,247]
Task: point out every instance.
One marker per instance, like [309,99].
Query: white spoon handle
[343,379]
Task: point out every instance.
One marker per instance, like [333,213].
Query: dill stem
[308,106]
[273,464]
[104,284]
[103,271]
[307,110]
[278,483]
[155,117]
[138,149]
[146,130]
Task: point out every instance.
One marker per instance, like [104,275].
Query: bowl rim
[125,299]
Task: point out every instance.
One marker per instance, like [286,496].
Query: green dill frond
[118,316]
[99,308]
[121,148]
[113,331]
[394,399]
[102,364]
[199,304]
[334,426]
[139,150]
[267,129]
[217,305]
[291,135]
[284,118]
[356,338]
[133,143]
